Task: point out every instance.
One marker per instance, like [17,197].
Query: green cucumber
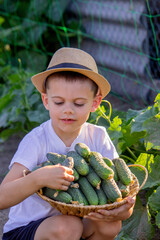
[102,198]
[112,166]
[76,195]
[55,158]
[82,149]
[68,162]
[123,171]
[108,161]
[47,163]
[61,196]
[88,191]
[79,163]
[75,174]
[111,190]
[93,178]
[96,161]
[125,190]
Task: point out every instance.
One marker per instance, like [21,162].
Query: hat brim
[103,84]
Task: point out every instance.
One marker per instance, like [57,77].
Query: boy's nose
[68,110]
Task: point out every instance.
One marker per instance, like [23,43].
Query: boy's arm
[15,188]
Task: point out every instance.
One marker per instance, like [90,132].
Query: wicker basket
[80,210]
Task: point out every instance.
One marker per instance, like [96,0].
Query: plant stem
[110,107]
[128,158]
[104,115]
[110,112]
[132,154]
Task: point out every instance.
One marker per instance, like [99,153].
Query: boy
[71,88]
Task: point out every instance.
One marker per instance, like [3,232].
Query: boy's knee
[111,231]
[66,226]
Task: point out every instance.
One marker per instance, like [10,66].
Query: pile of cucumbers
[97,179]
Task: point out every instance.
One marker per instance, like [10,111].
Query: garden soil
[7,151]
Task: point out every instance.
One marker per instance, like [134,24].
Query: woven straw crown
[75,60]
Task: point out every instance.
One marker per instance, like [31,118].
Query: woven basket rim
[105,206]
[81,210]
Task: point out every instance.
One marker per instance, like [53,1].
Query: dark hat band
[68,65]
[65,65]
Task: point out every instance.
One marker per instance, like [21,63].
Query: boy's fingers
[69,170]
[131,201]
[69,177]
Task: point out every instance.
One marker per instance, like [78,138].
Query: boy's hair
[72,77]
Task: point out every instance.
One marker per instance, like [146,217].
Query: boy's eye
[79,104]
[58,103]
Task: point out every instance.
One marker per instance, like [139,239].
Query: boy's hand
[56,177]
[121,213]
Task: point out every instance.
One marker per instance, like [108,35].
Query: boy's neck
[67,138]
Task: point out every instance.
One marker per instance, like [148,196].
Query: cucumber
[61,196]
[79,163]
[88,191]
[84,199]
[93,178]
[108,161]
[125,190]
[55,158]
[76,195]
[116,178]
[75,174]
[68,162]
[82,149]
[112,166]
[102,198]
[47,163]
[36,167]
[124,173]
[111,190]
[96,161]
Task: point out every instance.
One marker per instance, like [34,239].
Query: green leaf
[153,200]
[137,124]
[131,113]
[139,173]
[4,101]
[1,20]
[152,165]
[158,219]
[131,138]
[138,226]
[152,139]
[157,101]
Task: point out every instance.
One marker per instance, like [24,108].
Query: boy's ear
[96,102]
[44,100]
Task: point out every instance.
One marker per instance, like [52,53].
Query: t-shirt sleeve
[104,144]
[28,152]
[108,148]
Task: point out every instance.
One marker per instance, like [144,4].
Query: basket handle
[146,173]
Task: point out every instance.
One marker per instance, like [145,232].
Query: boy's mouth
[67,120]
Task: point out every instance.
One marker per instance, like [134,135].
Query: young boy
[71,88]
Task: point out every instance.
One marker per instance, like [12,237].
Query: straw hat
[75,60]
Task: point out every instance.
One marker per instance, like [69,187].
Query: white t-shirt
[32,151]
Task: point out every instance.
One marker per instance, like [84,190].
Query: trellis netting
[122,35]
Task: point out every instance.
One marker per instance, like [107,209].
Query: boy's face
[69,105]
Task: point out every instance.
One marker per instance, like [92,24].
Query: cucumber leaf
[152,165]
[158,219]
[154,202]
[138,226]
[152,140]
